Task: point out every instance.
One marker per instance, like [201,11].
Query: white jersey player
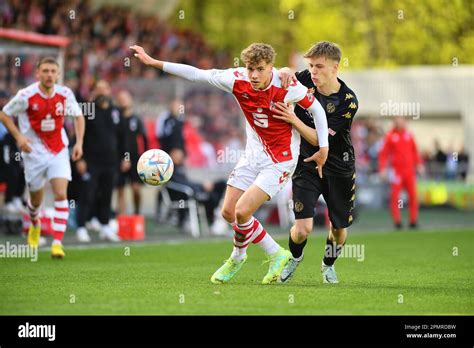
[41,108]
[271,152]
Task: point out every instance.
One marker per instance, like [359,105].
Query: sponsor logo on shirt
[352,105]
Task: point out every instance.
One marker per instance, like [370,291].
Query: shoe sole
[57,257]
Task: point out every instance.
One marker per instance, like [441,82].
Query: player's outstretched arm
[187,72]
[23,142]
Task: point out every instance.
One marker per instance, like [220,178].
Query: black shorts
[338,192]
[130,176]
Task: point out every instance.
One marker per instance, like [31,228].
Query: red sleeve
[307,101]
[384,152]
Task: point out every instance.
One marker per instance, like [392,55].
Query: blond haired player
[271,152]
[40,109]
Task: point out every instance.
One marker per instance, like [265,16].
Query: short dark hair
[47,60]
[327,49]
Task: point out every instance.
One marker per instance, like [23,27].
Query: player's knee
[228,214]
[242,213]
[301,232]
[60,196]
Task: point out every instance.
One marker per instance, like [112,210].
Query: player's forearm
[155,63]
[79,127]
[306,132]
[187,72]
[10,125]
[321,123]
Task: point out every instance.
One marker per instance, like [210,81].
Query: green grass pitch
[403,273]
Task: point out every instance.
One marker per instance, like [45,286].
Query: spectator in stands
[137,143]
[463,159]
[11,166]
[439,161]
[104,148]
[169,131]
[399,152]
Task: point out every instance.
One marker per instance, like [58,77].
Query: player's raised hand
[140,53]
[23,143]
[285,112]
[287,77]
[320,158]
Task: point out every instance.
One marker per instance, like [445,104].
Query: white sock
[269,245]
[238,254]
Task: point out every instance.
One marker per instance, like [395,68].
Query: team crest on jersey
[310,97]
[245,95]
[349,96]
[35,107]
[330,108]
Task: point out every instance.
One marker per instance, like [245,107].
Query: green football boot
[227,271]
[277,262]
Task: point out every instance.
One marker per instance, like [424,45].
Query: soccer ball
[155,167]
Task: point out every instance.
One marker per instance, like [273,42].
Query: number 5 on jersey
[260,120]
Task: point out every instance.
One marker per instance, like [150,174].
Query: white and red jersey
[265,134]
[41,118]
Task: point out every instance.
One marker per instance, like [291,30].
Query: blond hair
[257,52]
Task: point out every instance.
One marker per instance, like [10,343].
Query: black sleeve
[304,77]
[344,114]
[122,144]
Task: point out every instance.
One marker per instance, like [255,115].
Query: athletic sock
[331,252]
[296,249]
[264,240]
[34,213]
[60,217]
[242,237]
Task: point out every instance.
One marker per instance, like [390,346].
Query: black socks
[296,249]
[331,252]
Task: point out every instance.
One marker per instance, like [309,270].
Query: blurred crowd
[100,39]
[439,163]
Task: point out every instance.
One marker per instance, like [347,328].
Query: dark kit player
[336,180]
[137,143]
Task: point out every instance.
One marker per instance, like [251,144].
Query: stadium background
[394,52]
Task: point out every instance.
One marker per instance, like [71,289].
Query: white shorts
[270,178]
[38,169]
